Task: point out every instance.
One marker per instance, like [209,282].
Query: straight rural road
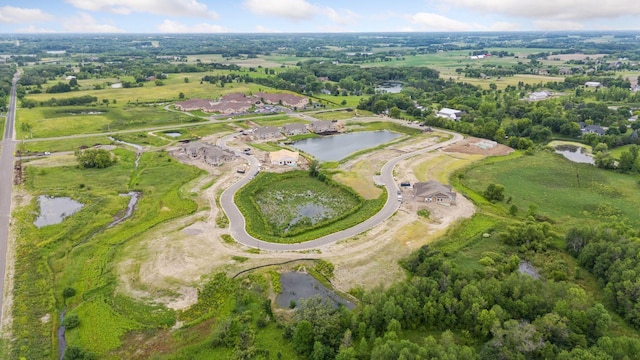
[237,223]
[6,183]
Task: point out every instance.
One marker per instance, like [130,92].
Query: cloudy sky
[215,16]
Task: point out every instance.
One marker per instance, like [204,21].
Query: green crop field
[571,194]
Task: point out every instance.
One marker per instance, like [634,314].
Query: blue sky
[219,16]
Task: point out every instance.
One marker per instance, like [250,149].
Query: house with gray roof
[208,153]
[266,132]
[322,126]
[294,129]
[434,192]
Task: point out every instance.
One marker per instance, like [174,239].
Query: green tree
[181,95]
[395,112]
[71,322]
[303,338]
[494,192]
[94,158]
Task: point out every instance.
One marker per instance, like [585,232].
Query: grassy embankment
[552,188]
[79,252]
[288,187]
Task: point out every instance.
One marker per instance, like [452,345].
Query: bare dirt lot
[170,262]
[472,145]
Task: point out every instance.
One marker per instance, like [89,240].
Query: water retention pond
[338,147]
[298,285]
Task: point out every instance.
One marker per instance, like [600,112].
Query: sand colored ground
[171,261]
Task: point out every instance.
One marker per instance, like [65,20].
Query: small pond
[173,134]
[576,154]
[391,88]
[55,209]
[337,147]
[297,285]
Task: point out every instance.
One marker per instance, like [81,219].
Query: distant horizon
[314,16]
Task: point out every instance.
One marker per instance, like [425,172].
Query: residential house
[434,192]
[565,71]
[284,157]
[290,100]
[539,95]
[266,132]
[592,129]
[194,104]
[543,72]
[595,84]
[451,114]
[635,88]
[322,126]
[210,154]
[294,129]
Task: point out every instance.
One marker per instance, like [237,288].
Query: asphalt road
[6,183]
[237,223]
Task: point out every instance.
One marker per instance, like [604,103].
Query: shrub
[71,322]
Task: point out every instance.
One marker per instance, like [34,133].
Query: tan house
[284,157]
[290,100]
[210,154]
[322,126]
[294,129]
[434,192]
[266,132]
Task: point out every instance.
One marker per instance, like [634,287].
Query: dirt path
[171,261]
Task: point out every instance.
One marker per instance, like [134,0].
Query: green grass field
[79,252]
[571,194]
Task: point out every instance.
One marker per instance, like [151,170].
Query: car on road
[400,198]
[47,153]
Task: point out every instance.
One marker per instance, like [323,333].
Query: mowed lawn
[568,193]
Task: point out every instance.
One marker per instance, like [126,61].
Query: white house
[539,95]
[451,114]
[284,157]
[594,84]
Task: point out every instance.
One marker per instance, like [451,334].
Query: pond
[55,209]
[337,147]
[390,88]
[298,285]
[173,134]
[574,153]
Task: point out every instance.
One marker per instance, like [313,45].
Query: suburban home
[290,100]
[451,114]
[635,88]
[294,129]
[194,104]
[594,84]
[592,129]
[216,156]
[539,95]
[434,192]
[284,157]
[322,126]
[210,154]
[266,132]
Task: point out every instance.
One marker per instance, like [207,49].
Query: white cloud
[549,25]
[504,26]
[34,30]
[15,15]
[263,29]
[190,8]
[170,26]
[288,9]
[435,22]
[553,9]
[343,16]
[85,23]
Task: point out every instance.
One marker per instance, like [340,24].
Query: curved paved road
[6,183]
[237,222]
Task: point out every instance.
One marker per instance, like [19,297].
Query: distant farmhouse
[210,154]
[434,192]
[284,157]
[451,114]
[539,95]
[592,129]
[595,84]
